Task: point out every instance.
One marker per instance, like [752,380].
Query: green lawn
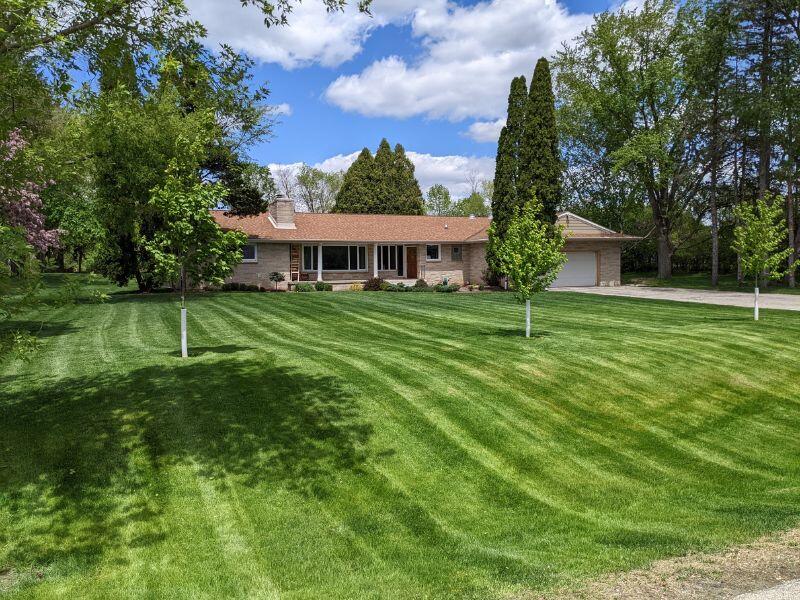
[702,281]
[357,445]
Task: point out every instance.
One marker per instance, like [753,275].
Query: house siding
[455,271]
[276,257]
[271,257]
[609,252]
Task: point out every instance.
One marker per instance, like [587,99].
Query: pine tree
[407,194]
[384,184]
[383,176]
[504,198]
[357,194]
[540,164]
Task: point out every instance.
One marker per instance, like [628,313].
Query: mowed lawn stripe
[391,445]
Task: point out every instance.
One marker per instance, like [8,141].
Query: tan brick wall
[435,271]
[477,262]
[610,258]
[271,257]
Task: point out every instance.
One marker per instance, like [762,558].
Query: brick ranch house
[348,248]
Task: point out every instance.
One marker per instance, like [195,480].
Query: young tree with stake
[191,246]
[758,238]
[531,254]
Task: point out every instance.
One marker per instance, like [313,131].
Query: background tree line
[119,130]
[671,116]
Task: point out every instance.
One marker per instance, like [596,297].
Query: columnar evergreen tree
[382,178]
[504,198]
[539,162]
[357,194]
[407,198]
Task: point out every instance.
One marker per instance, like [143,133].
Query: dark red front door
[411,262]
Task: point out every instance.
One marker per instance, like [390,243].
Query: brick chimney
[281,212]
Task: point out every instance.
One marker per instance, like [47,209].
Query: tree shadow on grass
[195,351]
[41,329]
[515,332]
[83,461]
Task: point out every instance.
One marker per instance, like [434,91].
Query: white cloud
[313,35]
[283,109]
[471,54]
[485,131]
[451,171]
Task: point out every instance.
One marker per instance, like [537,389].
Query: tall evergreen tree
[357,194]
[407,194]
[540,164]
[504,198]
[382,178]
[384,184]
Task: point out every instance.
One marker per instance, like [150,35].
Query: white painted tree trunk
[756,305]
[527,318]
[184,344]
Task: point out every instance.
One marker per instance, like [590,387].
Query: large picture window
[335,258]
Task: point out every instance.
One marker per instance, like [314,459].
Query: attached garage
[579,271]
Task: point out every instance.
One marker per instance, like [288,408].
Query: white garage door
[579,271]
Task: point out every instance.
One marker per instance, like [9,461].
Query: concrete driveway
[778,301]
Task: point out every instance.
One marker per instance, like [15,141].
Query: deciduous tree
[531,254]
[438,201]
[759,237]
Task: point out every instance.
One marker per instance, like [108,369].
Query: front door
[411,262]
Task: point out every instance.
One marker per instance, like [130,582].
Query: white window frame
[391,253]
[255,253]
[314,251]
[438,252]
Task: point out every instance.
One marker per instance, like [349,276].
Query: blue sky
[430,74]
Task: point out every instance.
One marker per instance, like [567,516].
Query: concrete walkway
[787,591]
[778,301]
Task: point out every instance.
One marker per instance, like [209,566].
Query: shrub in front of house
[421,284]
[323,286]
[446,288]
[304,287]
[396,287]
[356,287]
[373,284]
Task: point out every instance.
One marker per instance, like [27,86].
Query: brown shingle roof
[319,227]
[327,227]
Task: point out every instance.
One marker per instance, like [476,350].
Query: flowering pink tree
[20,200]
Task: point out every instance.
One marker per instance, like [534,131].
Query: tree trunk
[665,251]
[713,193]
[80,261]
[527,318]
[661,221]
[790,228]
[765,124]
[755,305]
[60,260]
[184,341]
